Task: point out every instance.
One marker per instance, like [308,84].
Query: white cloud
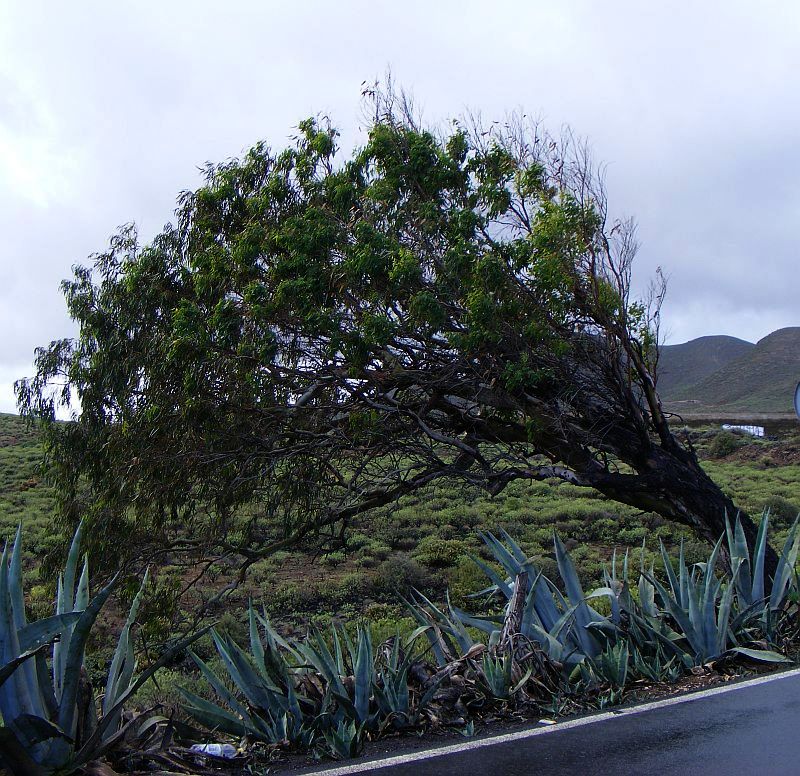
[107,109]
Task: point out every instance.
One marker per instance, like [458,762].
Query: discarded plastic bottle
[218,750]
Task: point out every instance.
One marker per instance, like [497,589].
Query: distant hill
[681,366]
[749,378]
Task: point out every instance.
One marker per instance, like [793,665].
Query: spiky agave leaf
[363,674]
[65,602]
[215,717]
[785,573]
[584,615]
[123,663]
[261,692]
[762,655]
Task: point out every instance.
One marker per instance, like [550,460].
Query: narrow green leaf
[670,572]
[212,716]
[495,578]
[587,643]
[123,663]
[219,687]
[786,567]
[72,565]
[509,563]
[82,593]
[759,554]
[362,674]
[256,645]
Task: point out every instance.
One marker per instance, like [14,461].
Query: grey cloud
[106,111]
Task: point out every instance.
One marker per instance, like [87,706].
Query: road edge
[519,735]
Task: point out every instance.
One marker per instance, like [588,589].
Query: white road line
[520,735]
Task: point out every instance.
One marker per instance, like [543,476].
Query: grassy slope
[761,380]
[425,540]
[24,497]
[684,365]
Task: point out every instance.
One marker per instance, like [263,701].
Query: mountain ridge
[728,374]
[689,362]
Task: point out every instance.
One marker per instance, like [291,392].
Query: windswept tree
[317,336]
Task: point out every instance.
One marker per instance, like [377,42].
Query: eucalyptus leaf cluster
[322,331]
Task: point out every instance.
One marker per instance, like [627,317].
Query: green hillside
[24,497]
[684,365]
[424,539]
[762,379]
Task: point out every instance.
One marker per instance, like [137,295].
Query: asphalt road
[749,728]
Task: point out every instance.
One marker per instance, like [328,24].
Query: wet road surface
[752,728]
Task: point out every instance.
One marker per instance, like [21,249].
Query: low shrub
[335,558]
[397,574]
[725,443]
[781,509]
[439,553]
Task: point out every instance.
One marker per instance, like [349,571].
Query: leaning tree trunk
[669,479]
[675,486]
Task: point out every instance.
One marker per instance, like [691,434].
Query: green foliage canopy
[321,332]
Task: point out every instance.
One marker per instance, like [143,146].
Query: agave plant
[499,675]
[750,579]
[657,666]
[356,660]
[610,666]
[702,607]
[380,693]
[391,687]
[268,706]
[566,628]
[49,714]
[638,620]
[702,616]
[333,689]
[447,634]
[327,690]
[344,740]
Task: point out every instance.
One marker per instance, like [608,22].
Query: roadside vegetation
[384,633]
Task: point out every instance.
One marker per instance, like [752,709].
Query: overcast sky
[108,108]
